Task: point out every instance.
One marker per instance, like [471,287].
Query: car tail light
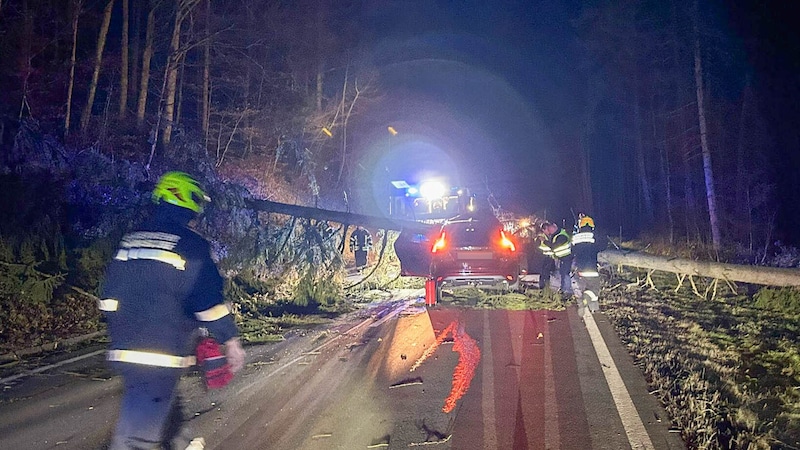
[439,244]
[507,243]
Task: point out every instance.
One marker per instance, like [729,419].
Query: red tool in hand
[213,364]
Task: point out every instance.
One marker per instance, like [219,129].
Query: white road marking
[487,396]
[631,422]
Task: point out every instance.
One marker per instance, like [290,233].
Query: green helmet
[180,189]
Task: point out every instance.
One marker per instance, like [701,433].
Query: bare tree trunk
[98,62]
[769,276]
[184,7]
[339,216]
[123,80]
[136,48]
[172,76]
[27,56]
[146,57]
[76,11]
[206,107]
[179,98]
[344,140]
[707,169]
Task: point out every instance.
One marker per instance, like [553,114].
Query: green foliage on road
[530,299]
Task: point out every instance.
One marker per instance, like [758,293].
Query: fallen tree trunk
[338,216]
[768,276]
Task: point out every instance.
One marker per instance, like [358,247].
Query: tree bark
[206,95]
[184,7]
[767,276]
[146,57]
[179,94]
[136,48]
[123,79]
[98,62]
[26,68]
[339,216]
[701,113]
[76,11]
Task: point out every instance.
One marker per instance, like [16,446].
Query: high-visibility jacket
[159,288]
[558,246]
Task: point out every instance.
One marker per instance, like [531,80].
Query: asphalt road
[393,375]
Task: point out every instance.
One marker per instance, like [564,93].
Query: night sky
[482,82]
[498,88]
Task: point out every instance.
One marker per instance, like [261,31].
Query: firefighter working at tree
[159,289]
[584,250]
[360,245]
[556,246]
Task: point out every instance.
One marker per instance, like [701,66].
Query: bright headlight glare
[432,189]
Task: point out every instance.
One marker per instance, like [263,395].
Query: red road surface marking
[468,357]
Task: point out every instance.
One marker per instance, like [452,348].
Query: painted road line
[51,366]
[631,422]
[487,389]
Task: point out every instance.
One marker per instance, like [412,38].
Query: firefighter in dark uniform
[584,249]
[161,286]
[556,246]
[360,244]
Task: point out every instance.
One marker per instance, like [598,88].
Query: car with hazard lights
[474,250]
[464,244]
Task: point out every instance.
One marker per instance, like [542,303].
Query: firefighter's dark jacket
[161,286]
[585,249]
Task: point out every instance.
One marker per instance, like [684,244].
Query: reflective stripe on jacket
[545,249]
[561,244]
[151,358]
[584,237]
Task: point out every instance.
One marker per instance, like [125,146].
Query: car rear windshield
[474,233]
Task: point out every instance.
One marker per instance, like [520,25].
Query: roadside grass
[726,366]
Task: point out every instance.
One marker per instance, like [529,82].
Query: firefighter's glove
[235,354]
[217,372]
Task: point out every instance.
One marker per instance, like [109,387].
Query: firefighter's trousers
[590,290]
[150,414]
